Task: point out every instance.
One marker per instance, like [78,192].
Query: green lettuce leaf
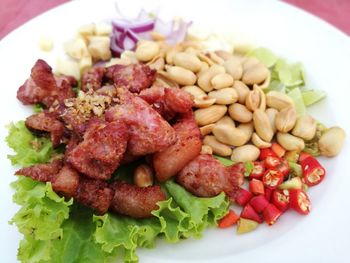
[28,148]
[312,96]
[297,97]
[290,74]
[224,161]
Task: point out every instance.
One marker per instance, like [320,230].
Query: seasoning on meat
[207,177]
[167,101]
[46,122]
[43,87]
[187,147]
[149,132]
[134,201]
[135,77]
[92,79]
[101,151]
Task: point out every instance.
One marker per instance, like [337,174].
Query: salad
[148,133]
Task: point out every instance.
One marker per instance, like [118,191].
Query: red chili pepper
[271,214]
[280,198]
[283,167]
[313,172]
[272,178]
[303,156]
[228,220]
[240,196]
[265,152]
[258,170]
[299,201]
[259,203]
[278,149]
[268,193]
[256,187]
[272,162]
[249,213]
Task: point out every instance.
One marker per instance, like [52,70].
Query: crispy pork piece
[46,122]
[100,152]
[149,132]
[167,101]
[135,77]
[207,177]
[92,79]
[66,182]
[187,147]
[95,194]
[43,87]
[134,201]
[43,172]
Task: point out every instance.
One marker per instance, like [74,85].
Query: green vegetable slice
[295,94]
[224,161]
[312,96]
[266,56]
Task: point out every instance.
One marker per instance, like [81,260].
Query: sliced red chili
[313,171]
[283,167]
[265,152]
[272,162]
[248,212]
[240,196]
[228,220]
[271,214]
[272,178]
[299,201]
[280,198]
[259,203]
[258,170]
[278,149]
[256,187]
[303,156]
[268,193]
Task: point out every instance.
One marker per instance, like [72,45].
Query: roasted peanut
[206,149]
[234,67]
[242,91]
[210,115]
[226,120]
[224,54]
[278,100]
[204,79]
[170,53]
[217,147]
[255,99]
[272,113]
[207,129]
[187,61]
[258,142]
[248,129]
[262,125]
[195,91]
[240,113]
[286,119]
[146,50]
[331,142]
[229,135]
[305,127]
[245,153]
[221,81]
[255,74]
[224,96]
[204,102]
[266,82]
[248,62]
[157,63]
[99,47]
[181,75]
[143,176]
[290,142]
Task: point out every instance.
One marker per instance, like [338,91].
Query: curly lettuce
[56,230]
[28,148]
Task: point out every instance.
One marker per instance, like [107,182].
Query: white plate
[323,235]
